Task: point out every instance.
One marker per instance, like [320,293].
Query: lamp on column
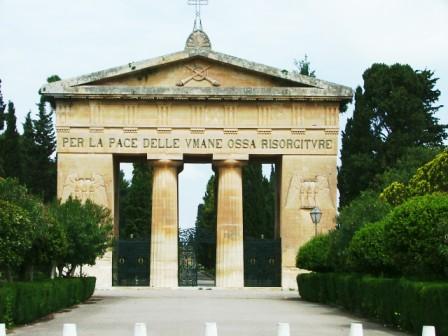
[316,215]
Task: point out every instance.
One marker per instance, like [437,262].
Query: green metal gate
[262,263]
[131,263]
[188,265]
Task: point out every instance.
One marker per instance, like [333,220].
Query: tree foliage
[431,177]
[395,111]
[16,236]
[88,228]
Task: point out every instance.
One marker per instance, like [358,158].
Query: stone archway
[201,102]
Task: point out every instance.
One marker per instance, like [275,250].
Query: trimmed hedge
[24,302]
[400,303]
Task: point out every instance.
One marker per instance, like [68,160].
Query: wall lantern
[316,215]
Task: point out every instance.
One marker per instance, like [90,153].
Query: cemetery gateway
[199,105]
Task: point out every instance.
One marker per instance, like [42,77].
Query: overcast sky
[342,38]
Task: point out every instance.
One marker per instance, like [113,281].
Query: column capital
[226,157]
[229,163]
[167,163]
[162,157]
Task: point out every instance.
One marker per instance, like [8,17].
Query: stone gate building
[199,104]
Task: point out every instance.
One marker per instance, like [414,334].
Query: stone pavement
[183,312]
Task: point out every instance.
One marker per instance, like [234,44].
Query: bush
[367,251]
[415,236]
[400,303]
[48,242]
[24,302]
[16,236]
[367,208]
[88,229]
[313,256]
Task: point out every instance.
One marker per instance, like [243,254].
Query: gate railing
[211,329]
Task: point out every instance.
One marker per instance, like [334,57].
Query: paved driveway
[183,312]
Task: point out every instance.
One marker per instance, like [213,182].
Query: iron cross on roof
[197,19]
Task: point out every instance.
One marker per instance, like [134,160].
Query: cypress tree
[11,153]
[2,124]
[138,203]
[29,151]
[2,108]
[206,226]
[258,203]
[44,182]
[123,186]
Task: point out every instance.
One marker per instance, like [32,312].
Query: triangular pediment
[196,73]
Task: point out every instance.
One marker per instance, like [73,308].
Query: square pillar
[229,240]
[164,227]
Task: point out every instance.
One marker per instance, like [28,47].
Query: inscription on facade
[194,143]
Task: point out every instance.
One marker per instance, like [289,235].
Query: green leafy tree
[405,167]
[88,228]
[48,237]
[304,67]
[10,146]
[16,236]
[430,178]
[395,111]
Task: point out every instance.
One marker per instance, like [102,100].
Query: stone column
[229,242]
[164,228]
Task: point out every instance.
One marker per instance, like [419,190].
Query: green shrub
[415,236]
[88,228]
[49,241]
[313,256]
[367,208]
[24,302]
[367,252]
[16,236]
[400,303]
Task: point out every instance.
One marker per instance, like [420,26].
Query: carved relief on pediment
[198,73]
[84,188]
[308,193]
